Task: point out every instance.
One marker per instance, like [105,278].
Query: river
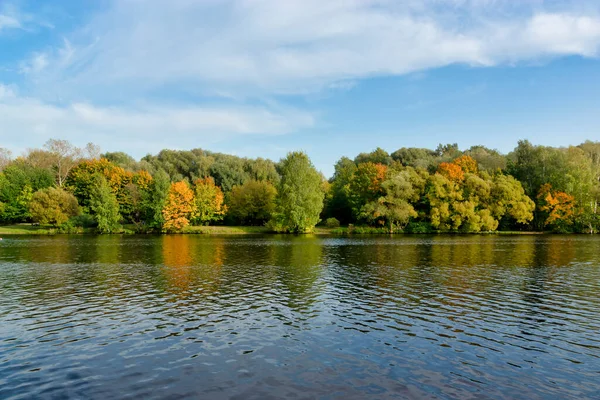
[261,317]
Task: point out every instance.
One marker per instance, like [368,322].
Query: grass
[26,229]
[226,230]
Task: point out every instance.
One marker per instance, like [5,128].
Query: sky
[260,78]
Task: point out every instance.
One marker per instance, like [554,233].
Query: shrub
[83,221]
[52,206]
[332,223]
[275,224]
[69,227]
[419,227]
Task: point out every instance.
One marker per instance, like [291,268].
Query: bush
[275,224]
[419,227]
[332,223]
[53,206]
[69,227]
[83,221]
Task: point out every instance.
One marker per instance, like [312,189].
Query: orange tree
[451,171]
[179,207]
[558,207]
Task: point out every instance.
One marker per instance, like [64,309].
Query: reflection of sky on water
[414,316]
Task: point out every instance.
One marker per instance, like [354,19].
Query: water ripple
[307,317]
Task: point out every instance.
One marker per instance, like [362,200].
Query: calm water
[300,317]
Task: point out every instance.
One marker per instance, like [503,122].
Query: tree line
[536,188]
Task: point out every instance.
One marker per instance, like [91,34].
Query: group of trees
[532,188]
[412,189]
[66,186]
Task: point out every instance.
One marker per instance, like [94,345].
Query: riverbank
[28,229]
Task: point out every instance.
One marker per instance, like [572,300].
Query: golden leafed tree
[179,207]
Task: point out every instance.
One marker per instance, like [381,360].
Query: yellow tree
[467,164]
[142,179]
[80,181]
[179,207]
[209,202]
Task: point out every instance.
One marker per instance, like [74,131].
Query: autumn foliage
[451,171]
[416,189]
[81,180]
[209,201]
[142,179]
[467,164]
[560,206]
[179,207]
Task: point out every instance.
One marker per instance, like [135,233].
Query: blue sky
[264,77]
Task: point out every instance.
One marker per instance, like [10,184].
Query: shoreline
[28,229]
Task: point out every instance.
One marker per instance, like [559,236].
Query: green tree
[122,160]
[377,156]
[365,185]
[262,170]
[229,171]
[82,177]
[488,159]
[400,190]
[153,200]
[416,158]
[252,203]
[18,182]
[53,206]
[300,194]
[104,206]
[338,204]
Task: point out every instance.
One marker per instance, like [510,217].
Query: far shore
[28,229]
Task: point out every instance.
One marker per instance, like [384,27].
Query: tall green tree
[104,206]
[153,200]
[338,203]
[300,194]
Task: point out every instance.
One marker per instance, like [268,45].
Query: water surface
[300,317]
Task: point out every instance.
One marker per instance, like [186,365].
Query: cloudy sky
[333,78]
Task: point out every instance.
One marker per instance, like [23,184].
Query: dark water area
[469,317]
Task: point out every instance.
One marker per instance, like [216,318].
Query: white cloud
[222,51]
[252,47]
[6,93]
[8,22]
[28,122]
[564,34]
[36,64]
